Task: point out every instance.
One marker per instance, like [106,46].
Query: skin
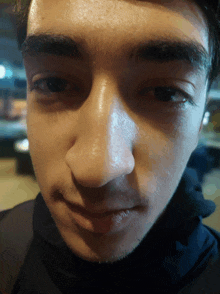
[100,148]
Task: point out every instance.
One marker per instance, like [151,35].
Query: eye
[167,94]
[53,85]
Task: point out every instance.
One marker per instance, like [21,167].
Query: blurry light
[22,146]
[206,118]
[9,73]
[2,71]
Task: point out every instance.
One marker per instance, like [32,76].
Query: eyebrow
[165,50]
[159,50]
[58,45]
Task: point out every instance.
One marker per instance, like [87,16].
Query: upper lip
[96,214]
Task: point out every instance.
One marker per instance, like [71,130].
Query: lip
[104,221]
[97,214]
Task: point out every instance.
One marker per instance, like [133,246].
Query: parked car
[10,132]
[207,155]
[23,159]
[22,154]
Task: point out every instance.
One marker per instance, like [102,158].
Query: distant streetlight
[2,71]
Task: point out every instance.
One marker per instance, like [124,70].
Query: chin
[100,248]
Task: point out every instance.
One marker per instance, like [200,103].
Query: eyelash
[54,82]
[170,90]
[144,92]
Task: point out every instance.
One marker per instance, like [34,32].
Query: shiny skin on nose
[102,149]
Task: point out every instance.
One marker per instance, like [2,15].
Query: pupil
[56,85]
[164,94]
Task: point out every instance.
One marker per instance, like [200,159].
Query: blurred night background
[17,180]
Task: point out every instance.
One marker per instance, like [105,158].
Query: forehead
[105,21]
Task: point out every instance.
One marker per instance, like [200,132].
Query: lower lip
[104,224]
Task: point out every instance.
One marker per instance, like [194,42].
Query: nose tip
[96,166]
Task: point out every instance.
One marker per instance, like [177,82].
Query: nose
[102,149]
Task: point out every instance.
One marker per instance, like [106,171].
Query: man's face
[114,115]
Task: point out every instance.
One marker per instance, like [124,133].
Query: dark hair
[210,9]
[21,10]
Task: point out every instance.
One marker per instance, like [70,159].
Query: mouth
[101,214]
[104,221]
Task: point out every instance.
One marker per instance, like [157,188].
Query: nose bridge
[106,120]
[100,101]
[103,148]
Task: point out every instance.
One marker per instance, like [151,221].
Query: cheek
[161,153]
[50,133]
[47,148]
